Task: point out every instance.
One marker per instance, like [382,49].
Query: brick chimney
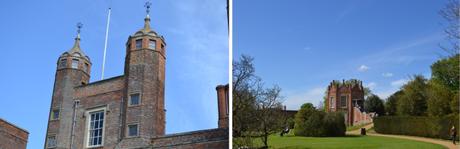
[222,103]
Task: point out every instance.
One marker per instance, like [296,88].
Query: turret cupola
[75,58]
[146,37]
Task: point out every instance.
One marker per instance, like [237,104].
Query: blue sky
[302,45]
[35,33]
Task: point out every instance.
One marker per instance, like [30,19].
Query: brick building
[125,111]
[347,97]
[11,136]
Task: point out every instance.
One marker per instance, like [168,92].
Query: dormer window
[152,44]
[75,63]
[138,43]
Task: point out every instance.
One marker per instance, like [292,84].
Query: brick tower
[145,79]
[73,69]
[344,97]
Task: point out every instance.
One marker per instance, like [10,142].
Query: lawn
[351,128]
[351,142]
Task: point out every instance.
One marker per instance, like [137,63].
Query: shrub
[314,123]
[433,127]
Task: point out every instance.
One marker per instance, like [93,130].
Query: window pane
[55,114]
[74,63]
[343,101]
[135,98]
[96,128]
[63,63]
[51,142]
[152,44]
[138,43]
[132,130]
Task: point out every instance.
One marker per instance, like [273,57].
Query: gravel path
[445,143]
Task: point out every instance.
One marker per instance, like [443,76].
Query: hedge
[433,127]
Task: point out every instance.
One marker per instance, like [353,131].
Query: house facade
[126,111]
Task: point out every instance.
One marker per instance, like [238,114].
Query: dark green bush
[316,123]
[433,127]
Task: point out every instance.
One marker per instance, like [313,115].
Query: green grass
[350,128]
[350,142]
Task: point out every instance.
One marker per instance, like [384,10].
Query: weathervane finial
[79,26]
[147,6]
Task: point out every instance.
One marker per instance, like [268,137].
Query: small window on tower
[55,114]
[133,130]
[75,63]
[86,67]
[51,142]
[152,44]
[63,63]
[138,43]
[134,99]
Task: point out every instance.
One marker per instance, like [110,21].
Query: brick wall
[203,139]
[11,136]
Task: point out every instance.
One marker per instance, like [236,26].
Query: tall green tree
[439,98]
[373,103]
[392,103]
[414,100]
[306,110]
[446,72]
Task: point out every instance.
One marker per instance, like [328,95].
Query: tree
[367,92]
[439,98]
[245,91]
[446,72]
[315,123]
[414,100]
[373,103]
[451,13]
[454,103]
[268,113]
[391,103]
[257,111]
[306,110]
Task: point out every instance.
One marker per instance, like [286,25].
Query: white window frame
[75,60]
[88,125]
[331,102]
[127,130]
[154,46]
[139,102]
[47,141]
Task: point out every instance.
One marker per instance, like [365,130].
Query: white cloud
[295,100]
[399,83]
[387,74]
[371,85]
[363,68]
[385,94]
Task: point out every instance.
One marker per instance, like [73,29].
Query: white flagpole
[105,44]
